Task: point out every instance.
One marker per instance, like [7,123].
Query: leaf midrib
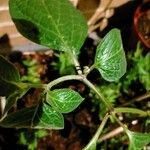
[64,43]
[66,47]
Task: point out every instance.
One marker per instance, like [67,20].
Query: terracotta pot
[142,23]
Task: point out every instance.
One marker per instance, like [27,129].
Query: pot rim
[138,13]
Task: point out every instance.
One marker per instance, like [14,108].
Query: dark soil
[80,125]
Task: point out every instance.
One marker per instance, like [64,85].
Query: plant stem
[76,63]
[83,79]
[39,86]
[119,122]
[107,103]
[111,134]
[31,85]
[138,99]
[64,78]
[130,110]
[97,134]
[89,70]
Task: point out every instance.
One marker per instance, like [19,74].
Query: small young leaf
[7,71]
[110,57]
[53,23]
[42,116]
[138,140]
[64,100]
[12,99]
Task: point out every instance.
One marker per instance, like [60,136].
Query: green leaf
[53,23]
[65,65]
[7,88]
[138,140]
[7,71]
[92,146]
[9,77]
[110,57]
[42,116]
[143,68]
[12,99]
[64,100]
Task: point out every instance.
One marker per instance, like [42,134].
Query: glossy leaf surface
[64,100]
[42,116]
[53,23]
[110,57]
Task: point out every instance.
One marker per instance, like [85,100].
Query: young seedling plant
[59,26]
